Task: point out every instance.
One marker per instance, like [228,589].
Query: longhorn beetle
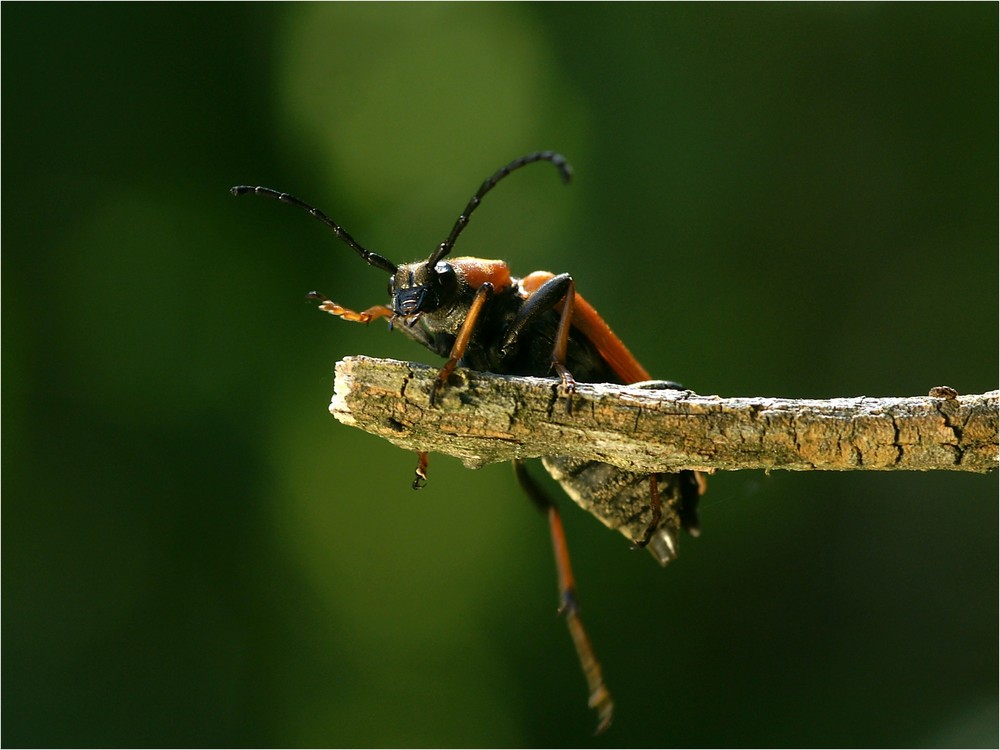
[474,313]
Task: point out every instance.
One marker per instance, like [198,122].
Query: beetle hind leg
[600,697]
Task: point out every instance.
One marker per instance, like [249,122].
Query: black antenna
[371,258]
[558,160]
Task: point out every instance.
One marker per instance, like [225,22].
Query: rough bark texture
[483,418]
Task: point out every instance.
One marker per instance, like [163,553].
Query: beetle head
[418,288]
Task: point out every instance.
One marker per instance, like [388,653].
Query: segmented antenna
[558,160]
[371,258]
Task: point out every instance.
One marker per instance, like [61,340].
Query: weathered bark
[483,418]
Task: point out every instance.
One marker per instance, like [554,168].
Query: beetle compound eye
[446,275]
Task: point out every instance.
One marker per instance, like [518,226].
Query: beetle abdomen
[621,500]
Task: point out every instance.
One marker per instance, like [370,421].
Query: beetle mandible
[473,312]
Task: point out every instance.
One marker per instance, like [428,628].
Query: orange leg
[559,351]
[544,291]
[595,330]
[483,294]
[600,697]
[365,316]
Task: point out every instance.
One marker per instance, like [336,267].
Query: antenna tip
[560,163]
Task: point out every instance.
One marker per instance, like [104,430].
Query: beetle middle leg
[546,292]
[656,512]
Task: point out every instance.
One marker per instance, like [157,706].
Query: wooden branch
[483,418]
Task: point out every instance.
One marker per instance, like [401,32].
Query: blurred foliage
[793,200]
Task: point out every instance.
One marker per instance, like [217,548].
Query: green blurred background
[786,200]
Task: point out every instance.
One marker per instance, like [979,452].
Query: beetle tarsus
[567,386]
[436,387]
[420,472]
[365,316]
[600,697]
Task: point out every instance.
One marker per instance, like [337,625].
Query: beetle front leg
[483,295]
[365,316]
